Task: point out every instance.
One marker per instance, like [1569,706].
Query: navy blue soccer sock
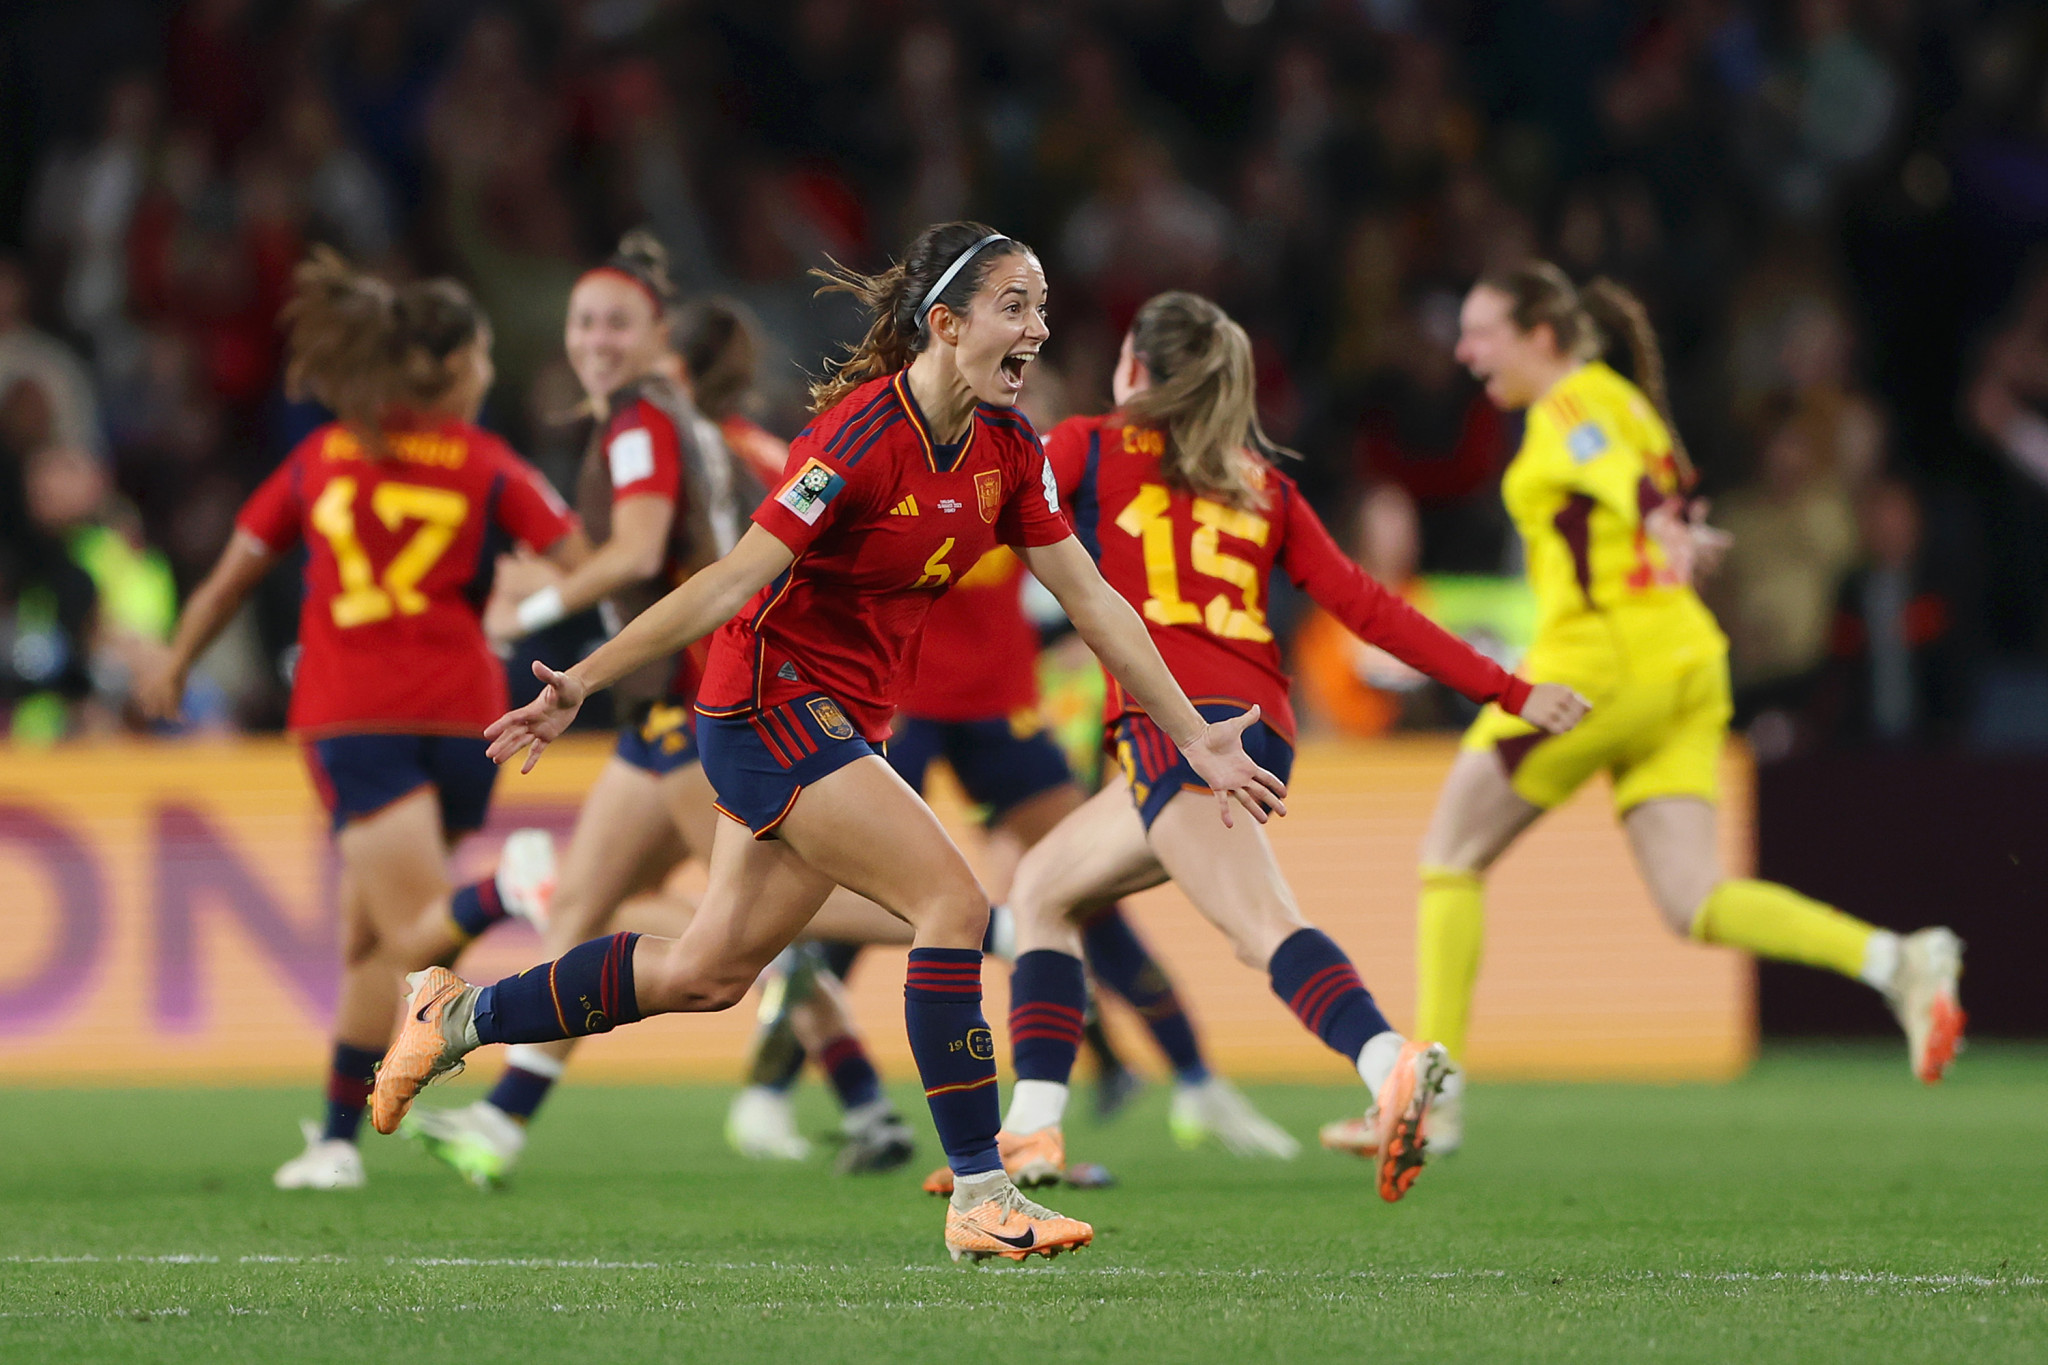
[1120,961]
[350,1078]
[1311,973]
[853,1076]
[520,1092]
[1048,998]
[476,907]
[956,1054]
[588,989]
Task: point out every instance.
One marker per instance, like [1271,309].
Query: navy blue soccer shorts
[1158,771]
[760,761]
[359,775]
[661,737]
[1000,763]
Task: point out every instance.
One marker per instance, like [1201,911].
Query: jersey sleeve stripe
[881,429]
[846,434]
[494,542]
[1087,500]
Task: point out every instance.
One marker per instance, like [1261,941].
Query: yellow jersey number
[1147,517]
[364,597]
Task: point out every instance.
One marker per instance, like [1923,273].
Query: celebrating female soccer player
[1597,491]
[1174,495]
[399,502]
[663,493]
[817,610]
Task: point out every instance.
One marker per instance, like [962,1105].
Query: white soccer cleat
[761,1125]
[1443,1128]
[1923,996]
[479,1142]
[326,1164]
[526,875]
[1215,1109]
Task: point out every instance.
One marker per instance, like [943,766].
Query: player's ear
[945,324]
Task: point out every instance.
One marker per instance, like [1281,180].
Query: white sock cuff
[528,1057]
[1881,960]
[1376,1059]
[1035,1105]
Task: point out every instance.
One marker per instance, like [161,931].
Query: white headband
[931,295]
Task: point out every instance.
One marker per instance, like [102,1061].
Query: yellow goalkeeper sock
[1448,934]
[1777,922]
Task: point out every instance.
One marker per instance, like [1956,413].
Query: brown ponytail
[361,347]
[1203,396]
[1585,322]
[894,299]
[719,342]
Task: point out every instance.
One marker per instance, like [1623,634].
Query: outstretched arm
[240,568]
[1120,639]
[705,602]
[1381,617]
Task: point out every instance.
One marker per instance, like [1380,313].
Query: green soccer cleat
[477,1142]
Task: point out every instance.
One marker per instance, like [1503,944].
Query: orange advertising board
[167,915]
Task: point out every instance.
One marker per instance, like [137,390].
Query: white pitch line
[1879,1278]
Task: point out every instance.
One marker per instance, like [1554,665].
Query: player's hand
[1554,707]
[501,619]
[1219,759]
[1692,549]
[160,692]
[540,722]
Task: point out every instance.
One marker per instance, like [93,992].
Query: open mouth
[1013,367]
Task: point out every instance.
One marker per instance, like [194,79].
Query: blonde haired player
[1599,491]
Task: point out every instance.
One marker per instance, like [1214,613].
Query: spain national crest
[988,493]
[830,718]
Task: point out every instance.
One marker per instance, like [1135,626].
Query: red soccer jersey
[399,557]
[882,521]
[979,657]
[1197,571]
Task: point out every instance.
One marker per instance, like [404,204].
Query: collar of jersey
[932,449]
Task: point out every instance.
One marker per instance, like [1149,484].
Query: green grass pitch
[1823,1209]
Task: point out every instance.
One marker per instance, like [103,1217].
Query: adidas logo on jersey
[906,508]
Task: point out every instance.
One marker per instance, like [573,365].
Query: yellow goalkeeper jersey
[1596,458]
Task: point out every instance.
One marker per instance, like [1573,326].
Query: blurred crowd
[1835,210]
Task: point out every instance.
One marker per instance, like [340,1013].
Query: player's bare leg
[393,861]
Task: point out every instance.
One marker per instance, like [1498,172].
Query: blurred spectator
[46,601]
[85,199]
[1795,537]
[1351,686]
[27,353]
[1897,673]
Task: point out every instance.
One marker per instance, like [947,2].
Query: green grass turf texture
[1824,1208]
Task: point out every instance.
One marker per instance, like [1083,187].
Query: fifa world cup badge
[806,495]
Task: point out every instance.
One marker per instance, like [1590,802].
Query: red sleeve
[275,513]
[1032,515]
[1379,617]
[1066,452]
[816,492]
[529,510]
[643,453]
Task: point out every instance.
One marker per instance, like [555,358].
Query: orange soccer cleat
[1924,997]
[1011,1226]
[1359,1136]
[430,1043]
[1403,1103]
[1030,1159]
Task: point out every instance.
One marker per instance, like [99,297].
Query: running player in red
[1175,496]
[662,493]
[403,504]
[817,611]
